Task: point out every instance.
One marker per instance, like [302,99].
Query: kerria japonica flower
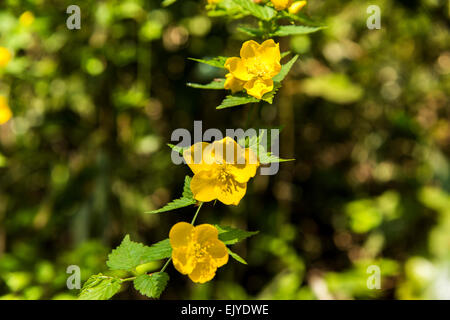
[221,170]
[255,69]
[293,6]
[197,251]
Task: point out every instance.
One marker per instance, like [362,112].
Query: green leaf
[129,254]
[216,84]
[100,287]
[187,199]
[300,17]
[230,235]
[284,54]
[158,251]
[180,150]
[174,204]
[254,32]
[151,285]
[283,31]
[236,99]
[264,157]
[218,62]
[259,11]
[236,257]
[285,68]
[187,192]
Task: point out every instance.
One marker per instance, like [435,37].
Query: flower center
[198,251]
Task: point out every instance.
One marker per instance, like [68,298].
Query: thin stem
[128,279]
[196,213]
[166,264]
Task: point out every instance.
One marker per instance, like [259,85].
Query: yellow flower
[221,170]
[213,1]
[26,18]
[234,84]
[5,57]
[296,7]
[197,251]
[5,111]
[256,67]
[281,4]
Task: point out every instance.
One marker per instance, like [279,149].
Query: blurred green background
[365,113]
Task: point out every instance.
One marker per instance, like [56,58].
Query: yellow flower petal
[183,261]
[204,185]
[232,83]
[296,7]
[281,4]
[238,69]
[258,87]
[270,56]
[218,252]
[231,192]
[203,272]
[243,172]
[249,49]
[205,232]
[181,234]
[198,157]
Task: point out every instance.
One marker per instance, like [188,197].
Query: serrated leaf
[174,204]
[216,84]
[259,11]
[158,251]
[236,100]
[264,157]
[236,257]
[285,68]
[187,199]
[100,287]
[129,254]
[187,192]
[218,62]
[230,235]
[151,285]
[283,31]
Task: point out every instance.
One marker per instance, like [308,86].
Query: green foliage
[218,62]
[261,12]
[285,70]
[100,287]
[256,145]
[215,84]
[236,99]
[186,200]
[230,235]
[291,30]
[236,257]
[128,255]
[151,285]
